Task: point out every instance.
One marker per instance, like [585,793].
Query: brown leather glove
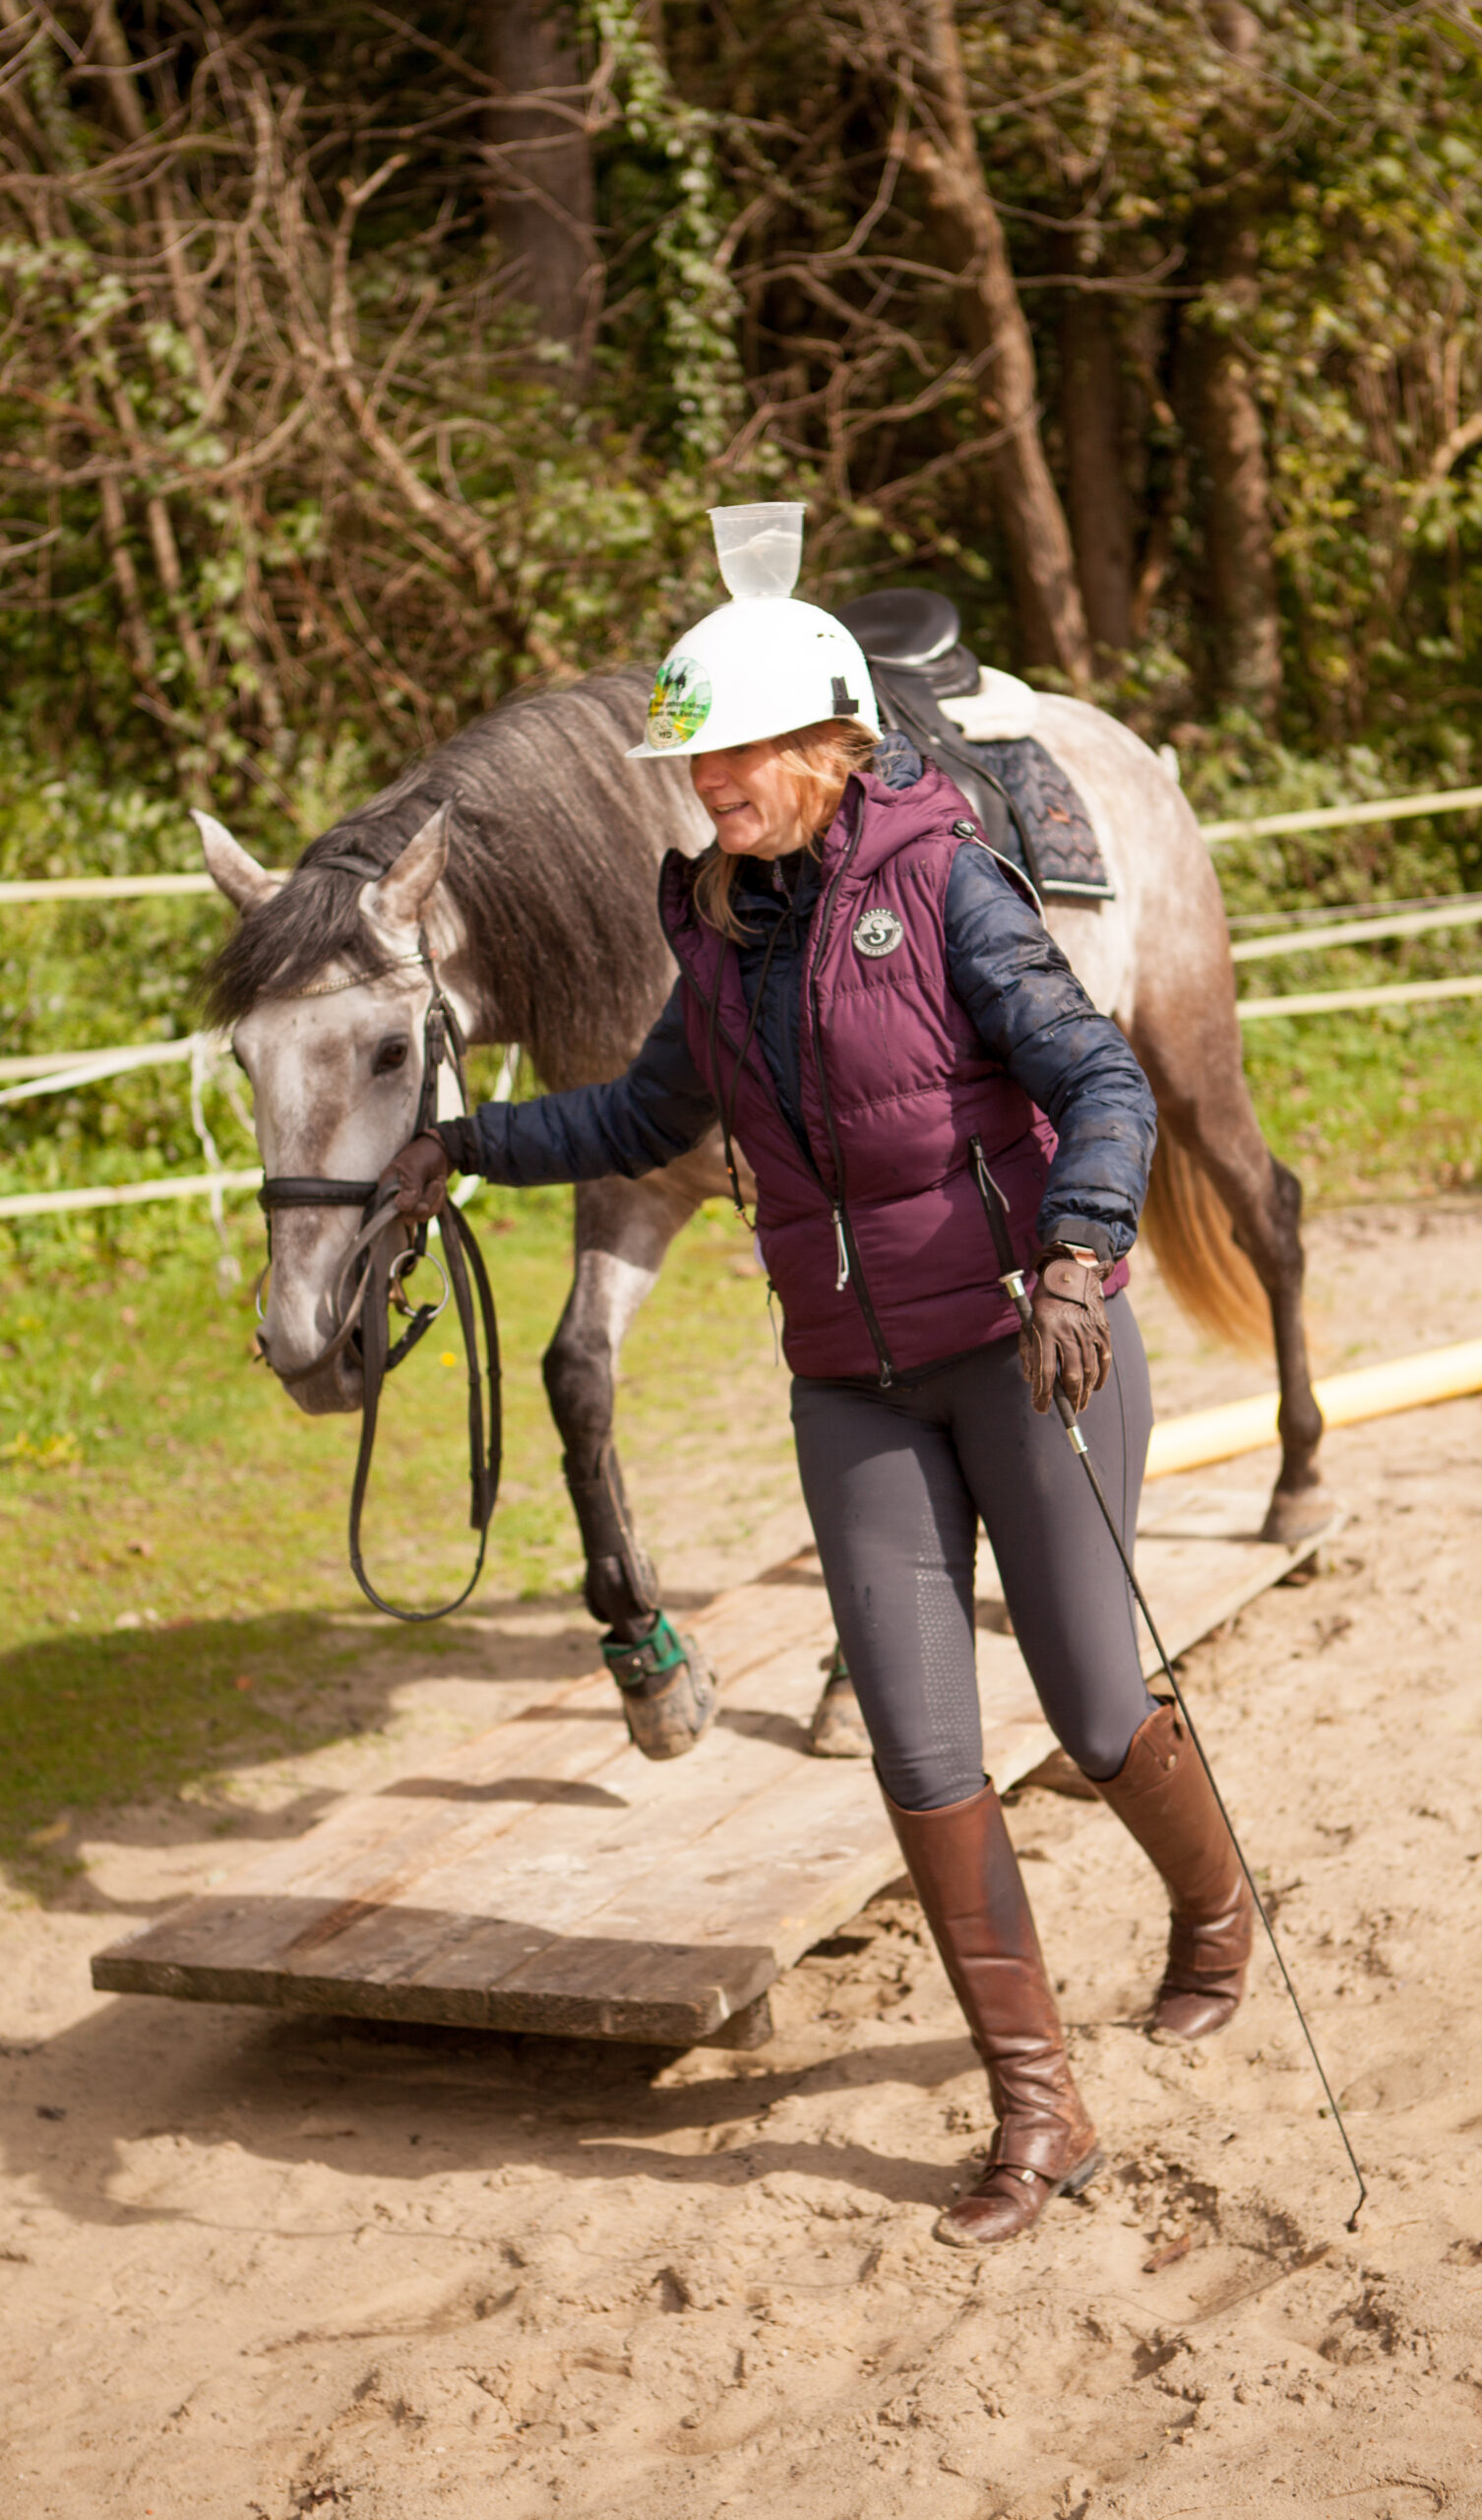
[420,1176]
[1068,1334]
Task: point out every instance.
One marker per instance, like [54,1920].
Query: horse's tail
[1188,1224]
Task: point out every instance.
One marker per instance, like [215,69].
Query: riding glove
[421,1177]
[1067,1334]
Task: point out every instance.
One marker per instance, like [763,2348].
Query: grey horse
[526,850]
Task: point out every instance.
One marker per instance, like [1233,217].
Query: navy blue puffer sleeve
[1033,1016]
[657,1109]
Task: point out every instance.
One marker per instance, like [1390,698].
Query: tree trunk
[1096,492]
[1224,417]
[540,161]
[1223,413]
[970,240]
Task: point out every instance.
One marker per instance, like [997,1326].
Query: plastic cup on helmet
[759,548]
[763,663]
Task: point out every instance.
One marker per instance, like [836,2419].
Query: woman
[865,993]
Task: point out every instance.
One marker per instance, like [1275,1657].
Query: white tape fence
[1372,809]
[66,1071]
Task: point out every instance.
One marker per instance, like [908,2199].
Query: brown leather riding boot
[967,1879]
[1163,1796]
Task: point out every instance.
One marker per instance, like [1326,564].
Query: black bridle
[383,1255]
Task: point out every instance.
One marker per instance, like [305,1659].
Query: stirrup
[668,1688]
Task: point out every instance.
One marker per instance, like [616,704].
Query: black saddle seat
[912,644]
[903,625]
[913,630]
[1027,807]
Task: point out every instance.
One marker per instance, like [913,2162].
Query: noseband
[380,1268]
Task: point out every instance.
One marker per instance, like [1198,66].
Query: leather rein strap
[384,1252]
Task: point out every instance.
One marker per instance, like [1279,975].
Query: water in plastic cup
[759,548]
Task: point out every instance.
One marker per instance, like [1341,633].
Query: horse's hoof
[668,1688]
[837,1730]
[1302,1514]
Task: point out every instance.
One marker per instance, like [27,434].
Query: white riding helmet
[763,663]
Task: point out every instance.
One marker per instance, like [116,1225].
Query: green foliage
[1383,1104]
[293,474]
[1119,138]
[318,500]
[696,302]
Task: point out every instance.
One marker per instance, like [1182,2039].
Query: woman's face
[751,799]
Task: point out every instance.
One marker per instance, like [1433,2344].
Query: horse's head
[326,988]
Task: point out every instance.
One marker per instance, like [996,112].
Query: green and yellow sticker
[680,704]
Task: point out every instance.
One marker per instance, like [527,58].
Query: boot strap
[1015,2153]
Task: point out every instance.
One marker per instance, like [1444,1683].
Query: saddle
[1026,809]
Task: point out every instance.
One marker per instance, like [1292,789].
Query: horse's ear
[402,894]
[231,867]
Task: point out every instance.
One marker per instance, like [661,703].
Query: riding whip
[1011,1280]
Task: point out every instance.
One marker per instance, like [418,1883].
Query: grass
[1383,1103]
[174,1595]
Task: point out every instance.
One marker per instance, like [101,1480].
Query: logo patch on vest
[877,932]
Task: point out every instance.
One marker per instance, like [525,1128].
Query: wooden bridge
[534,1878]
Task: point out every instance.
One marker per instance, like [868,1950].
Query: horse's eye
[390,1056]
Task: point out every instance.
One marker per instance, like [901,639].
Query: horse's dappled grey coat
[552,871]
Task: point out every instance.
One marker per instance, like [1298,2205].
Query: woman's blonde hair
[821,759]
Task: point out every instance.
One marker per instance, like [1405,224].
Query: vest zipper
[849,1269]
[842,1280]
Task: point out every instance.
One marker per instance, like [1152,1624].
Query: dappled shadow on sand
[123,1724]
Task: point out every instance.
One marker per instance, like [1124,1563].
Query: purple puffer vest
[896,1086]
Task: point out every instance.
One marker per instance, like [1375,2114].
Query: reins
[379,1269]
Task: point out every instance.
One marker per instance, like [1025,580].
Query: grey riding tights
[896,1482]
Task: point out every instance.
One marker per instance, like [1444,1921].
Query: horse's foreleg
[623,1230]
[1192,1057]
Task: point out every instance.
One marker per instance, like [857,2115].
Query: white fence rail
[1354,931]
[1340,1001]
[1373,809]
[102,887]
[127,1194]
[59,1075]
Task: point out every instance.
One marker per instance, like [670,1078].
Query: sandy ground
[250,2268]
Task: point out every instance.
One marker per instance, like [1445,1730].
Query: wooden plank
[545,1877]
[1201,1557]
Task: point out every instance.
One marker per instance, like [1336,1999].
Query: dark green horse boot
[668,1688]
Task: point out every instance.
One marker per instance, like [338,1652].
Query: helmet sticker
[877,932]
[680,704]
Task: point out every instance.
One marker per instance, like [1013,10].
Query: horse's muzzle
[335,1390]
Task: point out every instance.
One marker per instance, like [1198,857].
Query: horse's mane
[554,839]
